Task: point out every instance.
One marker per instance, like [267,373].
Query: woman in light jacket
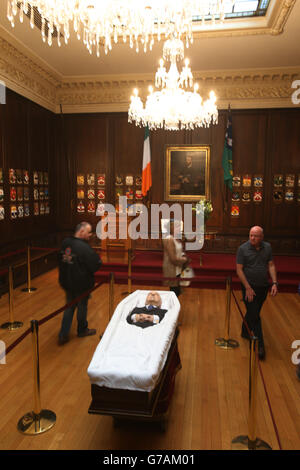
[174,260]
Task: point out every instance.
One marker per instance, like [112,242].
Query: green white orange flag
[146,174]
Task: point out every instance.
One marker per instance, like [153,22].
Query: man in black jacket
[77,264]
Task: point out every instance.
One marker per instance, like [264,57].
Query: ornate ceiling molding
[273,23]
[266,88]
[29,76]
[26,74]
[281,15]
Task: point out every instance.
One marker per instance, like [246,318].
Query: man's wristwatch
[275,283]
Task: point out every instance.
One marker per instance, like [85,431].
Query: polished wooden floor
[210,403]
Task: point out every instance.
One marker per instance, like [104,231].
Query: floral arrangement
[204,207]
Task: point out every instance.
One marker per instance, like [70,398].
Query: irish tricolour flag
[146,175]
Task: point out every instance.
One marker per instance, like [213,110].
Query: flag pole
[227,159]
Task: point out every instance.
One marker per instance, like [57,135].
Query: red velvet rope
[12,253]
[48,317]
[163,278]
[4,271]
[75,301]
[43,249]
[269,404]
[55,313]
[250,333]
[261,374]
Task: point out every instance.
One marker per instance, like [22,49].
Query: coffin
[146,392]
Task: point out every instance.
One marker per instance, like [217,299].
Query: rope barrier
[162,278]
[251,335]
[13,253]
[226,342]
[270,408]
[56,312]
[250,332]
[112,277]
[11,325]
[38,420]
[38,248]
[49,317]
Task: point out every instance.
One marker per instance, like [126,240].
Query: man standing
[77,264]
[254,262]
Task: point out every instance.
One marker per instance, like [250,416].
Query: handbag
[186,273]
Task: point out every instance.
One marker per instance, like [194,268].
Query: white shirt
[155,317]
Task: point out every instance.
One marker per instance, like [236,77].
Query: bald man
[150,314]
[77,264]
[253,264]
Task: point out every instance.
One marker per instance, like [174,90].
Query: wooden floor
[210,403]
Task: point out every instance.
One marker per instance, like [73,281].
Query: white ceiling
[207,53]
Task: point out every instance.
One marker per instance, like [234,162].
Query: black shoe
[62,340]
[87,332]
[245,335]
[261,353]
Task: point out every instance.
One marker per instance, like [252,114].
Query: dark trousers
[252,316]
[82,323]
[176,289]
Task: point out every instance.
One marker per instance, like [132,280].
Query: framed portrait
[187,172]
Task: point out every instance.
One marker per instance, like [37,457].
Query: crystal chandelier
[173,108]
[102,22]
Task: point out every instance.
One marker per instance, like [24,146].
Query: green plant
[204,207]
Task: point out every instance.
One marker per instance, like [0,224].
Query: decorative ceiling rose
[173,108]
[139,22]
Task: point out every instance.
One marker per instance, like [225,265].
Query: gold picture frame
[187,172]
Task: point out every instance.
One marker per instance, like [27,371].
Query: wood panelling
[265,142]
[27,142]
[285,159]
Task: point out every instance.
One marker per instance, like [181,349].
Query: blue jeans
[82,323]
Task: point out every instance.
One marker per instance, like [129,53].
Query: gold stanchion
[129,270]
[38,420]
[11,325]
[251,442]
[129,282]
[111,295]
[226,342]
[28,288]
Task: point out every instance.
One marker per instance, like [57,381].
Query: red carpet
[215,268]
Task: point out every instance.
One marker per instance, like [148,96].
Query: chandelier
[173,108]
[104,22]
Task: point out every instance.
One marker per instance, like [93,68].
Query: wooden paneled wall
[266,142]
[27,142]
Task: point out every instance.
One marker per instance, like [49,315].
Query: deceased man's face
[153,298]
